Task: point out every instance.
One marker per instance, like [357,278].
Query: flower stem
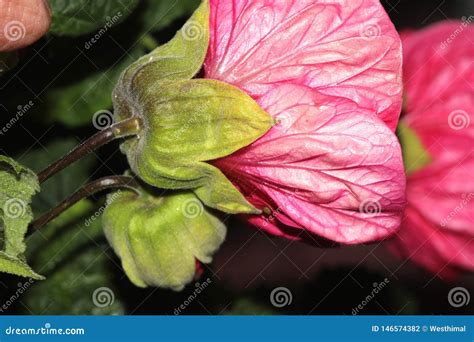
[88,190]
[121,129]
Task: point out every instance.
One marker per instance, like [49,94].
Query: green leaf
[17,186]
[180,58]
[74,104]
[415,156]
[16,266]
[72,251]
[159,238]
[158,14]
[74,18]
[187,123]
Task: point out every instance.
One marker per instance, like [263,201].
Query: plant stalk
[121,129]
[86,191]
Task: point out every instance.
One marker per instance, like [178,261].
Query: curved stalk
[121,129]
[88,190]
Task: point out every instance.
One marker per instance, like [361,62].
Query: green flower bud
[159,238]
[185,123]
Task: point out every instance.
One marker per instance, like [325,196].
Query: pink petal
[443,183]
[438,231]
[438,63]
[343,48]
[446,128]
[448,192]
[325,163]
[442,252]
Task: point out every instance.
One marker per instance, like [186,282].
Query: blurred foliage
[75,71]
[73,256]
[159,14]
[74,18]
[71,251]
[64,183]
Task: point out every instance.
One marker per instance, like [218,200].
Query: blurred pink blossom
[329,72]
[438,230]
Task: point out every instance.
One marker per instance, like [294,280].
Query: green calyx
[159,238]
[185,122]
[415,156]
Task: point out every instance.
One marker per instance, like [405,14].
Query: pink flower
[438,230]
[330,73]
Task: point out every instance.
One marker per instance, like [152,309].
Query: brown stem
[89,189]
[121,129]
